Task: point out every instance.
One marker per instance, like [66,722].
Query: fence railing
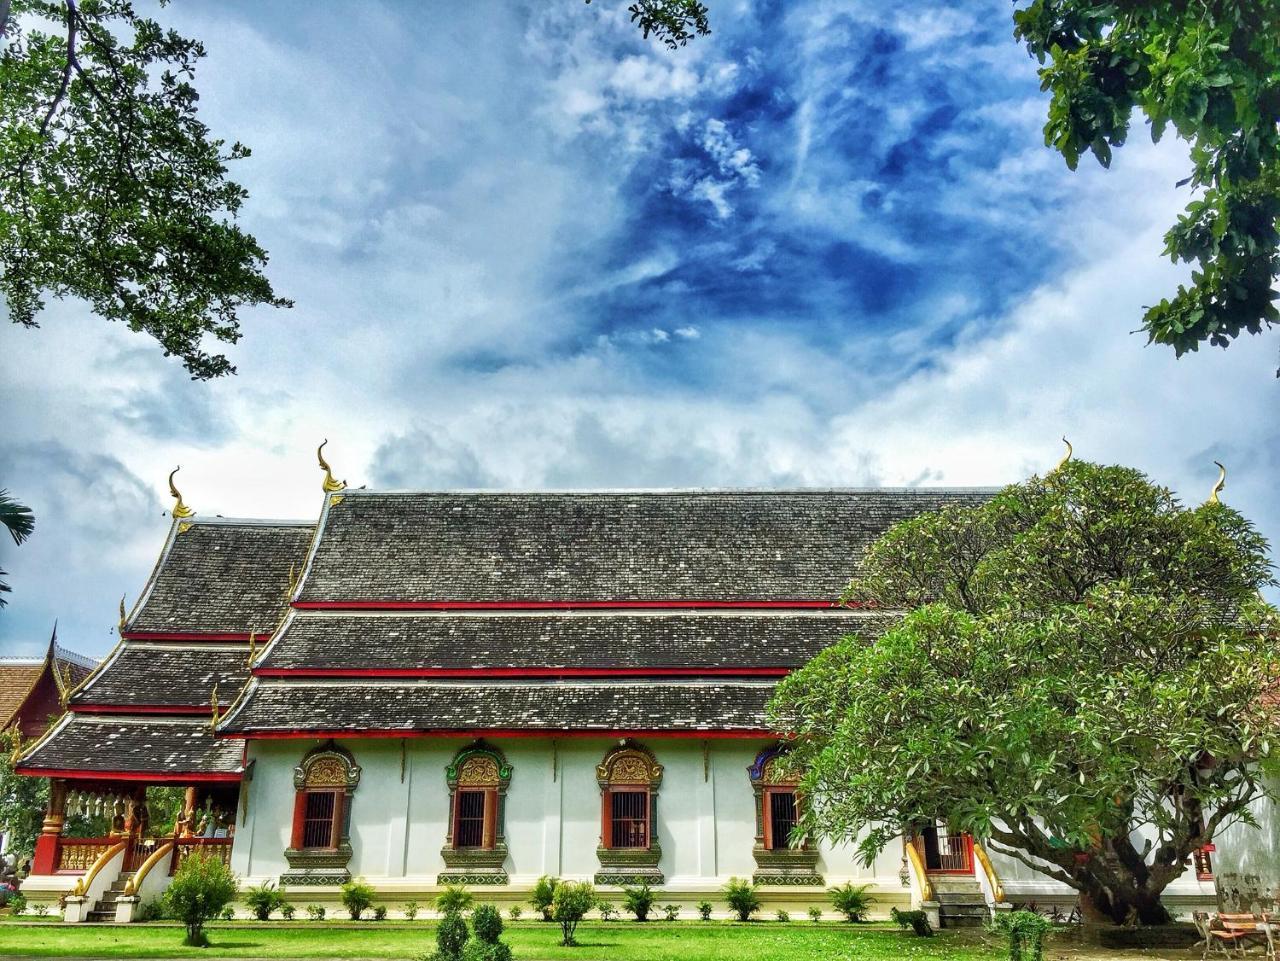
[944,853]
[221,847]
[76,855]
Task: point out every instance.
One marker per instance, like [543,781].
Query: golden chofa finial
[1219,487]
[123,615]
[213,706]
[180,509]
[1063,463]
[331,486]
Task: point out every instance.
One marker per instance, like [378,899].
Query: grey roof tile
[168,675]
[100,743]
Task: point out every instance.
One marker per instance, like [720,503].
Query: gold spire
[252,645]
[1219,487]
[330,485]
[213,704]
[1063,463]
[123,615]
[180,509]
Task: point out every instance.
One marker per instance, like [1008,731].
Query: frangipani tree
[1083,679]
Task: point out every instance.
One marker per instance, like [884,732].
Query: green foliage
[201,888]
[1025,931]
[288,911]
[672,22]
[227,914]
[704,910]
[451,935]
[815,913]
[917,921]
[111,189]
[782,916]
[152,910]
[543,893]
[486,922]
[742,897]
[1075,649]
[853,902]
[608,910]
[411,910]
[476,950]
[454,898]
[357,897]
[639,900]
[380,913]
[572,901]
[18,520]
[1208,70]
[17,903]
[40,910]
[263,900]
[316,912]
[671,912]
[514,912]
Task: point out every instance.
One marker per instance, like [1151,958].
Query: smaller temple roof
[21,679]
[85,745]
[584,641]
[167,674]
[221,576]
[289,707]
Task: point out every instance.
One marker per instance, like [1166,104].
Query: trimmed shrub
[17,903]
[608,910]
[315,912]
[783,916]
[228,913]
[380,913]
[704,910]
[671,912]
[150,911]
[815,914]
[202,887]
[451,935]
[1025,931]
[742,898]
[357,898]
[454,899]
[853,902]
[541,895]
[411,910]
[917,921]
[263,900]
[288,911]
[40,910]
[486,923]
[514,912]
[572,901]
[639,900]
[476,950]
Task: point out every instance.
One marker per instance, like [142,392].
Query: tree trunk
[1119,904]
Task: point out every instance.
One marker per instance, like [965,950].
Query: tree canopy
[18,520]
[111,189]
[1209,70]
[1086,677]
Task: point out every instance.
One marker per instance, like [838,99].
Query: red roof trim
[158,777]
[139,709]
[749,734]
[189,636]
[513,672]
[664,605]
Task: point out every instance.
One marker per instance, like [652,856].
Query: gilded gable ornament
[1219,487]
[327,766]
[179,510]
[478,770]
[629,764]
[331,485]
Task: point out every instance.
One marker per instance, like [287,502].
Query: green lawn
[531,941]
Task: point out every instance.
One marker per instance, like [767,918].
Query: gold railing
[159,854]
[82,884]
[78,854]
[220,847]
[917,865]
[997,889]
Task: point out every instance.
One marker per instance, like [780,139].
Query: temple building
[482,688]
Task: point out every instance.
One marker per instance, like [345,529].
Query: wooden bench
[1231,935]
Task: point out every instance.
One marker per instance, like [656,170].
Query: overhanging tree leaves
[18,520]
[1082,679]
[1211,70]
[111,189]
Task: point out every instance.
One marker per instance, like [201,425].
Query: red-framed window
[627,816]
[475,817]
[781,812]
[318,820]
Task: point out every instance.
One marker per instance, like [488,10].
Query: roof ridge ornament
[331,485]
[179,510]
[213,704]
[1066,457]
[1220,486]
[123,616]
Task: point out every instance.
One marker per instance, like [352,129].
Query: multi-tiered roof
[667,613]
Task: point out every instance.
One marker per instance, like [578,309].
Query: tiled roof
[621,546]
[16,678]
[596,640]
[219,576]
[339,706]
[168,675]
[167,746]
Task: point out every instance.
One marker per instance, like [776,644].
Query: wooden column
[45,860]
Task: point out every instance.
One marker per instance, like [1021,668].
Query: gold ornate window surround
[629,853]
[320,845]
[475,847]
[777,806]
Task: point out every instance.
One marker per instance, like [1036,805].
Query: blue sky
[824,246]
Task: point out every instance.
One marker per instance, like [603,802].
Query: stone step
[949,897]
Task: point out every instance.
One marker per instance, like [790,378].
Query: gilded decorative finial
[1063,463]
[179,509]
[252,647]
[1219,487]
[213,705]
[123,615]
[331,486]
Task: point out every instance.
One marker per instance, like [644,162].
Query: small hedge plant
[264,900]
[357,898]
[202,887]
[917,921]
[486,943]
[1025,931]
[541,895]
[742,898]
[315,912]
[572,901]
[851,901]
[454,898]
[639,900]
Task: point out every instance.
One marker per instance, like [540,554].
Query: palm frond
[4,589]
[17,518]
